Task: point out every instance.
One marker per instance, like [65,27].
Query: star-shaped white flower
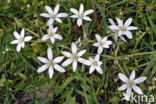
[102,43]
[131,84]
[95,64]
[81,15]
[74,57]
[124,28]
[20,40]
[52,35]
[116,31]
[50,63]
[53,15]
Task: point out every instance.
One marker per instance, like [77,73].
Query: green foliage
[21,84]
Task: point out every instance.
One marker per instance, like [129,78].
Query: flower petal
[49,10]
[16,35]
[67,62]
[123,39]
[114,27]
[98,37]
[23,44]
[45,15]
[120,33]
[131,28]
[99,70]
[128,22]
[62,15]
[50,21]
[56,9]
[74,65]
[42,59]
[87,18]
[42,68]
[128,92]
[92,68]
[90,11]
[128,34]
[132,76]
[58,20]
[52,39]
[111,21]
[96,44]
[100,49]
[97,57]
[84,61]
[137,89]
[81,9]
[74,16]
[109,42]
[74,11]
[139,80]
[59,68]
[74,48]
[79,22]
[59,37]
[28,38]
[120,22]
[123,87]
[14,42]
[50,53]
[81,53]
[18,48]
[123,77]
[67,54]
[22,33]
[51,72]
[45,37]
[58,59]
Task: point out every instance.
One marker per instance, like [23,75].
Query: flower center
[130,83]
[102,43]
[80,15]
[123,28]
[95,63]
[53,15]
[74,57]
[51,34]
[51,63]
[20,40]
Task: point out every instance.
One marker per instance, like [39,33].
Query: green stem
[31,32]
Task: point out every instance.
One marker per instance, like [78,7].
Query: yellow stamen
[102,43]
[51,63]
[80,15]
[123,28]
[130,83]
[20,40]
[51,34]
[95,63]
[74,57]
[53,15]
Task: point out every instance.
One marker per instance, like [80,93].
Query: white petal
[128,92]
[84,61]
[56,9]
[67,54]
[120,33]
[45,15]
[131,28]
[90,11]
[128,34]
[139,80]
[54,29]
[137,89]
[50,11]
[62,15]
[132,76]
[87,18]
[100,49]
[23,44]
[58,20]
[45,37]
[104,39]
[96,44]
[14,42]
[49,53]
[98,37]
[123,87]
[42,68]
[123,77]
[99,70]
[28,38]
[97,57]
[74,48]
[74,16]
[50,21]
[79,22]
[128,22]
[111,21]
[123,39]
[81,8]
[113,27]
[59,68]
[52,39]
[42,59]
[58,59]
[22,33]
[74,11]
[120,22]
[109,42]
[81,53]
[106,46]
[59,37]
[92,68]
[67,62]
[18,48]
[74,65]
[51,72]
[116,37]
[16,35]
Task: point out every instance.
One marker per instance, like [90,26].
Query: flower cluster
[75,56]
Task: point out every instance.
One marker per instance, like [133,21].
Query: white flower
[51,63]
[102,43]
[53,15]
[52,34]
[81,15]
[123,29]
[78,42]
[131,83]
[74,57]
[20,40]
[95,64]
[116,31]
